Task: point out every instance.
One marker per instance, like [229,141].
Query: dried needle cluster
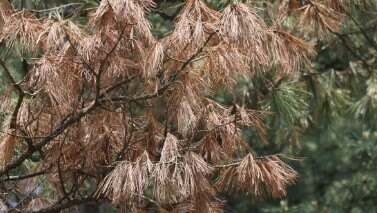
[110,102]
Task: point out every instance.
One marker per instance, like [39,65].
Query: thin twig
[56,8]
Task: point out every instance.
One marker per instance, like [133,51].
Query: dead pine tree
[108,110]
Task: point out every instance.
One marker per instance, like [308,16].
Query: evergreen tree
[174,105]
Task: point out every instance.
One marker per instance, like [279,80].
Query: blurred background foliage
[325,116]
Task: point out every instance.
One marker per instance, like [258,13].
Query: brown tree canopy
[108,110]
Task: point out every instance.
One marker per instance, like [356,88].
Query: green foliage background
[326,117]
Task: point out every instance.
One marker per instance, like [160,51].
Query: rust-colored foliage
[110,103]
